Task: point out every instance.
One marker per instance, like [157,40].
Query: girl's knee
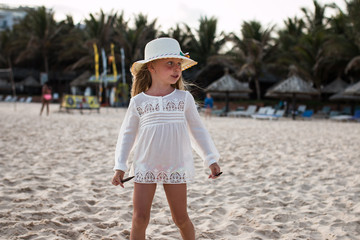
[141,219]
[182,221]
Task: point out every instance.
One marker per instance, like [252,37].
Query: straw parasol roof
[29,81]
[4,84]
[271,94]
[231,95]
[293,85]
[353,89]
[335,86]
[82,80]
[341,96]
[285,95]
[227,85]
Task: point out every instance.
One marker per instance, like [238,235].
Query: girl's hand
[215,170]
[117,178]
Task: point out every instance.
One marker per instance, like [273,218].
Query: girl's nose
[178,67]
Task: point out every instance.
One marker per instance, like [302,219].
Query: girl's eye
[171,63]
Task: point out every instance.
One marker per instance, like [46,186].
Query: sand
[282,179]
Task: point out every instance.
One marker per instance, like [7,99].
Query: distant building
[11,16]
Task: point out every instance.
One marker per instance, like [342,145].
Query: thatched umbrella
[30,85]
[342,96]
[353,89]
[4,84]
[335,86]
[227,85]
[30,81]
[293,86]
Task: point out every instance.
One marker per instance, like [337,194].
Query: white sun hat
[163,48]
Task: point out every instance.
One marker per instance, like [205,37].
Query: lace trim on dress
[173,105]
[167,106]
[148,107]
[160,177]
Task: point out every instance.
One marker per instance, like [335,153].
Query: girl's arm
[127,136]
[200,137]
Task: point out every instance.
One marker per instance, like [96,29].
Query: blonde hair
[142,81]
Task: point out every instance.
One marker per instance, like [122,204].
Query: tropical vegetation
[319,47]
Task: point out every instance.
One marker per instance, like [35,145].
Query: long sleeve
[200,138]
[127,137]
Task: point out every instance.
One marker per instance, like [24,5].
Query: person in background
[208,104]
[45,98]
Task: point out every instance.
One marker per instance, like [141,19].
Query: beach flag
[96,56]
[113,62]
[103,75]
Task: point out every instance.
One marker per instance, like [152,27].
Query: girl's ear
[150,67]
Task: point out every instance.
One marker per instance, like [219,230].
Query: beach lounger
[307,114]
[263,111]
[28,100]
[278,114]
[249,111]
[323,113]
[298,111]
[355,117]
[346,110]
[334,113]
[301,109]
[270,115]
[8,98]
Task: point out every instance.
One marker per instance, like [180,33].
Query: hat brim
[187,63]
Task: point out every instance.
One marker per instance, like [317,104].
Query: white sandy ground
[282,179]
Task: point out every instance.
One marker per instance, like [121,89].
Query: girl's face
[167,70]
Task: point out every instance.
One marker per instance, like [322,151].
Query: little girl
[162,123]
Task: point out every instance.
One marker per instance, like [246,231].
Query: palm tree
[336,50]
[253,51]
[134,39]
[98,30]
[5,49]
[71,45]
[310,48]
[353,8]
[287,40]
[205,42]
[180,34]
[37,33]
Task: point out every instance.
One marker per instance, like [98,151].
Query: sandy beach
[282,179]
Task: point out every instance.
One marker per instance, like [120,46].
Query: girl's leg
[176,196]
[42,108]
[47,109]
[143,197]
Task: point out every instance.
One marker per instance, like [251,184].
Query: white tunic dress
[161,132]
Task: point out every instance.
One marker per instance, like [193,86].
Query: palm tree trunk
[46,63]
[257,87]
[12,81]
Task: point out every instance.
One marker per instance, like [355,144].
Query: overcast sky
[230,13]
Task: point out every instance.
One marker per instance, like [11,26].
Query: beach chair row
[268,113]
[10,98]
